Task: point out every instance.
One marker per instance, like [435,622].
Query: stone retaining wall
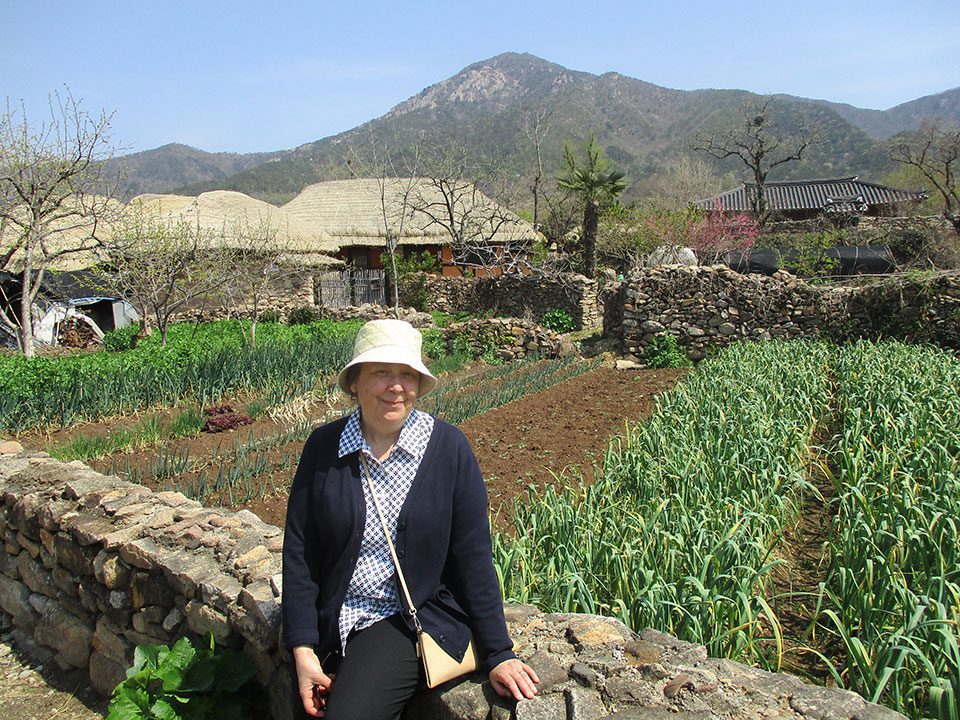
[708,307]
[508,338]
[92,566]
[522,296]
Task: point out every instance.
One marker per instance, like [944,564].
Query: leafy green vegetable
[182,683]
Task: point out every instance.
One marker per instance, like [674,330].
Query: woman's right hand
[312,682]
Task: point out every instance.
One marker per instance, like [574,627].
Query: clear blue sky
[253,76]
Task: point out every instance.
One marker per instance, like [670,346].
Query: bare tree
[396,176]
[758,146]
[163,265]
[535,124]
[685,181]
[481,227]
[55,196]
[255,253]
[935,153]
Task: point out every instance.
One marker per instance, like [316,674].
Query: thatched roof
[226,215]
[352,212]
[75,234]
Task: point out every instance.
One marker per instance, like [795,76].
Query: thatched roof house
[71,238]
[360,213]
[226,217]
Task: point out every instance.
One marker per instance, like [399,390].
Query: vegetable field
[684,529]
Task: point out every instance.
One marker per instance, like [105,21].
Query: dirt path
[31,691]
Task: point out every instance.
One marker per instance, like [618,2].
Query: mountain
[165,168]
[644,127]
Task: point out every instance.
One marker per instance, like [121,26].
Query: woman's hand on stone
[312,683]
[515,679]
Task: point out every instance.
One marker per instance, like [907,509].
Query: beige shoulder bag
[438,666]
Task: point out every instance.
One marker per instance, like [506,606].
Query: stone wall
[708,307]
[509,338]
[92,566]
[293,289]
[522,296]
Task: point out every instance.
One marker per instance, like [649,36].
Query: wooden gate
[351,287]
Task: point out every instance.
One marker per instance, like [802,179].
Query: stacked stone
[713,306]
[292,290]
[376,312]
[513,339]
[94,566]
[525,296]
[594,668]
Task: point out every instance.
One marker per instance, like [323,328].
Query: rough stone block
[35,576]
[108,641]
[584,704]
[110,571]
[79,560]
[66,581]
[149,589]
[66,633]
[542,707]
[202,619]
[142,553]
[105,673]
[14,599]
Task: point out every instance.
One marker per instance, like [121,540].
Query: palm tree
[596,182]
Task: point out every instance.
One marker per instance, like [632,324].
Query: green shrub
[182,682]
[120,340]
[303,315]
[270,316]
[558,320]
[666,352]
[434,346]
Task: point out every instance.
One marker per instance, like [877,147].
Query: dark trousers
[378,675]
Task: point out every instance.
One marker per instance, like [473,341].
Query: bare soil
[524,443]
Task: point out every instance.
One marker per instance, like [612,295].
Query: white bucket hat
[389,341]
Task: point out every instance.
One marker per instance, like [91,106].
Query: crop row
[679,529]
[255,466]
[685,523]
[203,362]
[893,589]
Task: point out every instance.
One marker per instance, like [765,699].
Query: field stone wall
[513,339]
[92,566]
[712,306]
[522,296]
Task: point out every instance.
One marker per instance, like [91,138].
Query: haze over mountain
[644,127]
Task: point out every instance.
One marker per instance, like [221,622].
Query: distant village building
[359,214]
[808,199]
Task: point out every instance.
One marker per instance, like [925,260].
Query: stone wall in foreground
[93,566]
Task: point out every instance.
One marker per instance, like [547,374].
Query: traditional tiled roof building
[804,199]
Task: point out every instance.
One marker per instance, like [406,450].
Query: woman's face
[386,393]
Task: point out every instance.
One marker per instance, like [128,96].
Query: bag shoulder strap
[393,552]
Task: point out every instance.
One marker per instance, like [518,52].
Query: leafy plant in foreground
[182,683]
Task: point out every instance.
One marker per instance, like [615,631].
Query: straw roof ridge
[352,211]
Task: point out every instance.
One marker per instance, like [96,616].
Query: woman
[352,640]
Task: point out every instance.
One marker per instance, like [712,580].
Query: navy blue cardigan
[443,542]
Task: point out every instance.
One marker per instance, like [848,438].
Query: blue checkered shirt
[372,593]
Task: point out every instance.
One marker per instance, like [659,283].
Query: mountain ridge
[644,127]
